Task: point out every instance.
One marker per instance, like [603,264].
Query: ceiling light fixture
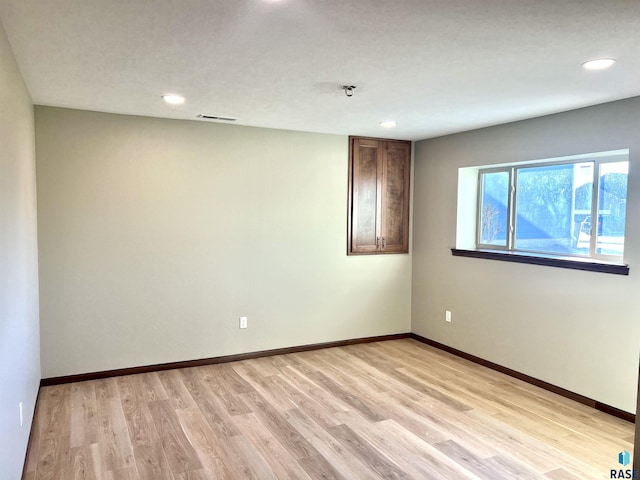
[348,90]
[217,117]
[388,124]
[173,99]
[598,64]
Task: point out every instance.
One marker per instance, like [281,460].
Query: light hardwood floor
[394,409]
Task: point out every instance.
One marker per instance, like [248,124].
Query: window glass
[494,208]
[553,208]
[612,208]
[571,206]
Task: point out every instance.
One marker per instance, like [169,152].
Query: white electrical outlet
[447,316]
[243,322]
[20,407]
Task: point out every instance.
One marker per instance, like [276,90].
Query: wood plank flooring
[396,409]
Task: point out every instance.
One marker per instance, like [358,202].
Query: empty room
[293,239]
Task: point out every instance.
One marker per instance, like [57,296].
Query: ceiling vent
[215,117]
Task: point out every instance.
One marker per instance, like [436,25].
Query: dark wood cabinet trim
[549,261]
[386,247]
[381,245]
[349,197]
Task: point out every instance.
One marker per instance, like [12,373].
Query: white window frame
[598,159]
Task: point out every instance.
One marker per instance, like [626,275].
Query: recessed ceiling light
[173,99]
[598,64]
[388,124]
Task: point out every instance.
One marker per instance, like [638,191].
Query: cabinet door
[396,160]
[365,194]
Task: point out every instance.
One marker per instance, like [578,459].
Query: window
[573,207]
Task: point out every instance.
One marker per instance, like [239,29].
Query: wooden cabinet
[379,179]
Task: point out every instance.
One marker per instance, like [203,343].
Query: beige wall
[156,235]
[579,330]
[19,335]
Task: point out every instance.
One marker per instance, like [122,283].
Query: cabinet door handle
[382,242]
[377,242]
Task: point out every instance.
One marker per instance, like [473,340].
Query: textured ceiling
[434,66]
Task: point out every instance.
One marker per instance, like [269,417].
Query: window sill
[575,263]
